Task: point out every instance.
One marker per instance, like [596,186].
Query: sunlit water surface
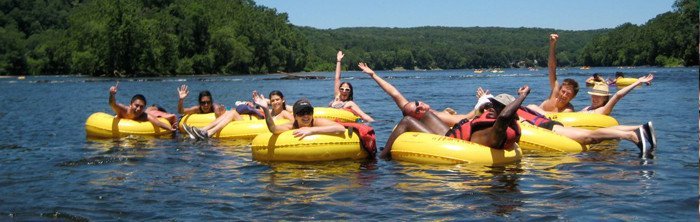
[50,170]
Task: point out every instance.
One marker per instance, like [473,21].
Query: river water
[51,170]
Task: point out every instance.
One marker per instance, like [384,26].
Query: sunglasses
[304,113]
[205,102]
[417,106]
[345,89]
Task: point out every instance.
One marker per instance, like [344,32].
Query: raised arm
[388,88]
[552,61]
[508,114]
[608,107]
[336,85]
[118,108]
[182,93]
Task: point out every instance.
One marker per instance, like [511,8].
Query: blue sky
[563,14]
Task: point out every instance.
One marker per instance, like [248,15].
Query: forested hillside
[669,39]
[171,37]
[444,47]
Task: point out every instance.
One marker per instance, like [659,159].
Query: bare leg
[586,137]
[221,122]
[435,124]
[625,127]
[407,124]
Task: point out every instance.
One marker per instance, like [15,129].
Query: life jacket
[464,129]
[532,116]
[367,137]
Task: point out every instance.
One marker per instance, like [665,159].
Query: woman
[602,103]
[304,123]
[278,112]
[343,92]
[206,103]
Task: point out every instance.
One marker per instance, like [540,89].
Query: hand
[259,99]
[174,127]
[339,56]
[301,132]
[646,79]
[481,92]
[523,91]
[183,92]
[113,89]
[553,38]
[366,69]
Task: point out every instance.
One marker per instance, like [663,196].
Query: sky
[562,14]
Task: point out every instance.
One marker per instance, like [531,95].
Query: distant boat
[585,67]
[478,71]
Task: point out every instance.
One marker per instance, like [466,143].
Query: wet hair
[204,93]
[159,108]
[351,90]
[139,97]
[278,93]
[572,83]
[619,74]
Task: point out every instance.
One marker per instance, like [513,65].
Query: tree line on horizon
[174,37]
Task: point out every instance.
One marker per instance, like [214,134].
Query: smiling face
[277,102]
[567,92]
[205,104]
[304,119]
[416,109]
[598,101]
[345,91]
[137,107]
[492,109]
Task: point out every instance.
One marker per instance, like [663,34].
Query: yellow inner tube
[584,120]
[536,138]
[103,125]
[247,128]
[335,114]
[251,126]
[319,147]
[624,81]
[435,149]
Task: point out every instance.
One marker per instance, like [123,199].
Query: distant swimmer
[594,79]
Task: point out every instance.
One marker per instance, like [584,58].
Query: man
[135,110]
[561,95]
[639,135]
[496,126]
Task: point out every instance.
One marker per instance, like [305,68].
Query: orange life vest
[464,129]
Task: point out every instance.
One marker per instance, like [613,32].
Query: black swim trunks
[550,124]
